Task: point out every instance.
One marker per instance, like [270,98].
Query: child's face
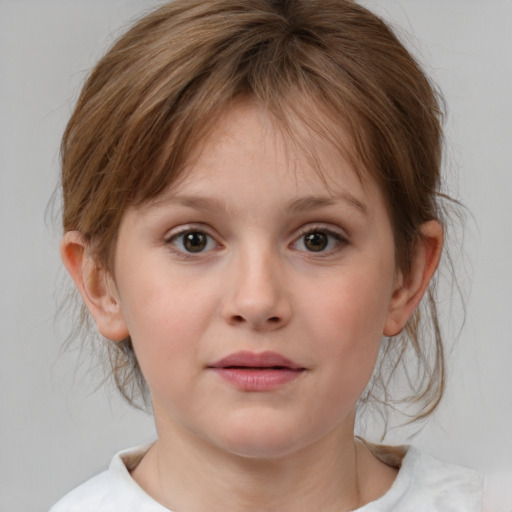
[250,253]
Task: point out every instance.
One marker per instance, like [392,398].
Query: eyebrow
[305,203]
[199,203]
[316,202]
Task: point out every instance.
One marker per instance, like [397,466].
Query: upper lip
[246,359]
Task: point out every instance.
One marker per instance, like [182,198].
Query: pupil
[195,242]
[316,241]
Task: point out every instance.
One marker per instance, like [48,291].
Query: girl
[252,215]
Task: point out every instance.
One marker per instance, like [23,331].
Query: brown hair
[159,89]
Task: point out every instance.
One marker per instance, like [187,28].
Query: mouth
[265,371]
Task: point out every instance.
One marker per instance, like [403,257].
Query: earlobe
[411,287]
[95,284]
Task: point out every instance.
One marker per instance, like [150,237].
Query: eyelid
[186,228]
[174,234]
[337,233]
[324,228]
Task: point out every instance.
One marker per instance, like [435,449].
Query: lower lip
[265,379]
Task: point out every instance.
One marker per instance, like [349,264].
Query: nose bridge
[258,295]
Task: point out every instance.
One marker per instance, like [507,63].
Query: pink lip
[264,371]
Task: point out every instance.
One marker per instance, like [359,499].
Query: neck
[196,476]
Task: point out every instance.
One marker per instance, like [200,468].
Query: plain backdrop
[58,429]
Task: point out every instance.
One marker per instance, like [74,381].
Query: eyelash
[339,240]
[171,241]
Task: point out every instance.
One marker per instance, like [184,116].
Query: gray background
[56,428]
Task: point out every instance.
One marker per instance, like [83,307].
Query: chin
[263,448]
[262,439]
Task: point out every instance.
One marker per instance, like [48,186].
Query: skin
[257,286]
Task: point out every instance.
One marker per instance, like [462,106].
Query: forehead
[250,146]
[248,174]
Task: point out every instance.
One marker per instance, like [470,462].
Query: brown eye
[323,241]
[316,242]
[192,242]
[195,241]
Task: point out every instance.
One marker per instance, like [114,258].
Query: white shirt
[423,484]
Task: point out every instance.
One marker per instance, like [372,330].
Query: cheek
[353,307]
[166,318]
[347,322]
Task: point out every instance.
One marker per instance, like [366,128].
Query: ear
[410,288]
[95,284]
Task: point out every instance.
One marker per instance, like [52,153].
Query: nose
[257,296]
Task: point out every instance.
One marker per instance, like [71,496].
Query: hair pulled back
[159,90]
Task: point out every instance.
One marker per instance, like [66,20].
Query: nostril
[241,319]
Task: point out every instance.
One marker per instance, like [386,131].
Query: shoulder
[91,495]
[113,489]
[449,486]
[498,491]
[426,484]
